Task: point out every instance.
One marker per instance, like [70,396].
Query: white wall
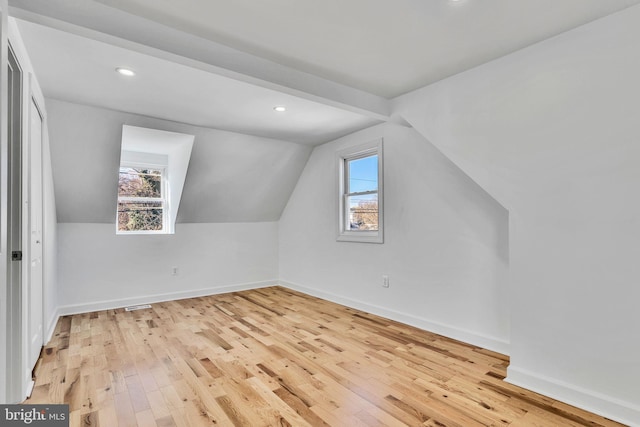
[445,248]
[553,132]
[99,269]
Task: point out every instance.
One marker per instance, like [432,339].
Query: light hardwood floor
[275,357]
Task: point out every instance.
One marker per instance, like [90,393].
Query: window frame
[342,158]
[164,200]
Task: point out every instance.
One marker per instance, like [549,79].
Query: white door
[34,283]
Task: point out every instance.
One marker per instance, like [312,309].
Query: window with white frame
[360,212]
[152,172]
[142,201]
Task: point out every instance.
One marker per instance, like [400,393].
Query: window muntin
[141,199]
[360,193]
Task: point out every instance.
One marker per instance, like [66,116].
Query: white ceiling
[226,63]
[386,47]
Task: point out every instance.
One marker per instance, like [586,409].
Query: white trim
[470,337]
[374,147]
[30,386]
[169,296]
[32,97]
[615,409]
[51,326]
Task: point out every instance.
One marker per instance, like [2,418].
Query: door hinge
[16,256]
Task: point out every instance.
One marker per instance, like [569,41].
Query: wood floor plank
[146,419]
[276,357]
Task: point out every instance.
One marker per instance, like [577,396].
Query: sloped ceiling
[232,177]
[222,66]
[385,47]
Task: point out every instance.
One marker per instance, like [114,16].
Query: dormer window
[153,169]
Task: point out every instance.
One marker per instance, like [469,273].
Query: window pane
[145,216]
[363,174]
[362,212]
[139,182]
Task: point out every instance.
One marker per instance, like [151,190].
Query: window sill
[360,237]
[143,233]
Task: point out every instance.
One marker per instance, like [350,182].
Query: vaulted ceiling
[223,65]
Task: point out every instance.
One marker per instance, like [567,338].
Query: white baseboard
[30,388]
[51,326]
[470,337]
[606,406]
[148,299]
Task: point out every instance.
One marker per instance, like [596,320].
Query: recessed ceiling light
[125,71]
[280,108]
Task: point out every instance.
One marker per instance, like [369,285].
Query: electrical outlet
[385,281]
[174,271]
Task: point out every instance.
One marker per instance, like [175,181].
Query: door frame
[5,359]
[13,224]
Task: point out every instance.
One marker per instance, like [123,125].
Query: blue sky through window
[363,174]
